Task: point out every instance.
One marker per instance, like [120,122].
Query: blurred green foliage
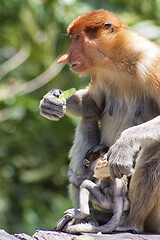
[33,150]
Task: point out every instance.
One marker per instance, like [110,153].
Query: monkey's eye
[77,36]
[109,25]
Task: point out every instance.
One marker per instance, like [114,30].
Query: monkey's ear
[86,162]
[109,26]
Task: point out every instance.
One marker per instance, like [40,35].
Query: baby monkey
[109,195]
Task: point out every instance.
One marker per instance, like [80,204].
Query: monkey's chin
[79,69]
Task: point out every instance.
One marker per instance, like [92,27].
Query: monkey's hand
[121,157]
[122,154]
[75,213]
[51,106]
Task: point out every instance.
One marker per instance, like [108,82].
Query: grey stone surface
[53,235]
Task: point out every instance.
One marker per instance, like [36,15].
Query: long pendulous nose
[64,58]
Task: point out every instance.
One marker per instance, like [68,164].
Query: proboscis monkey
[107,194]
[125,94]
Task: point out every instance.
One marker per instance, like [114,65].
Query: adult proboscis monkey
[124,93]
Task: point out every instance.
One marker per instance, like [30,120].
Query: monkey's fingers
[126,170]
[54,92]
[74,213]
[120,157]
[52,109]
[70,212]
[54,100]
[50,114]
[118,171]
[115,173]
[57,105]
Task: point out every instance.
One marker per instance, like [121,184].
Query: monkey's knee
[85,184]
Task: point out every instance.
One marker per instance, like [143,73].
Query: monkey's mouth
[74,65]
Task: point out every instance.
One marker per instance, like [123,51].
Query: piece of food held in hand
[101,169]
[68,93]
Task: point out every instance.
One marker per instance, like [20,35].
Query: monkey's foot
[65,223]
[61,223]
[75,213]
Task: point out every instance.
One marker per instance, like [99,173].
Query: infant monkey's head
[95,160]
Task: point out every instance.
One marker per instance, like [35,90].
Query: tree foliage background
[33,150]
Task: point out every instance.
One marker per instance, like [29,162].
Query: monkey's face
[94,40]
[92,51]
[82,54]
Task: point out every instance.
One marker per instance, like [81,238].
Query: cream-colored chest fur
[120,113]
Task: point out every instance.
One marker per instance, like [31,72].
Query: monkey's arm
[79,104]
[121,154]
[76,179]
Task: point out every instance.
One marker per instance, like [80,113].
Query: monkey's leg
[144,191]
[102,216]
[106,228]
[71,217]
[84,205]
[118,206]
[96,196]
[87,136]
[87,188]
[104,201]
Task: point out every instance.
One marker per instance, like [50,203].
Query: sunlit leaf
[67,94]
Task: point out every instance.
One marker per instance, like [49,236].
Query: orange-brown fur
[94,20]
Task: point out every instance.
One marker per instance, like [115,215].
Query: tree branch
[15,61]
[34,84]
